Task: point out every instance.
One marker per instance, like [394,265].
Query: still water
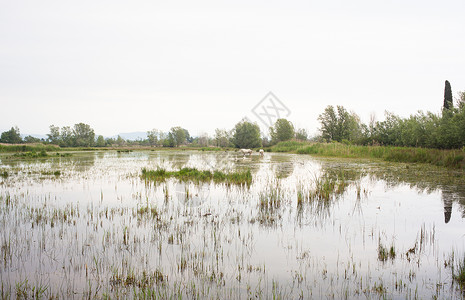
[88,226]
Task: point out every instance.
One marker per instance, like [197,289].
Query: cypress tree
[448,104]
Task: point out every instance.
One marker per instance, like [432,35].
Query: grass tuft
[192,174]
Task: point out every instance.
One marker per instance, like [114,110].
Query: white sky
[124,66]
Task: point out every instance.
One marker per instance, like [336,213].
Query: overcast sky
[124,66]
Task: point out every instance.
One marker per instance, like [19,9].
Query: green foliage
[443,131]
[340,125]
[84,135]
[11,136]
[246,135]
[30,140]
[301,134]
[100,141]
[152,137]
[222,138]
[81,135]
[283,130]
[32,154]
[178,136]
[459,273]
[54,135]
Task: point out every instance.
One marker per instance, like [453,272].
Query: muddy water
[97,229]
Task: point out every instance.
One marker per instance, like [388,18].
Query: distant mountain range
[130,136]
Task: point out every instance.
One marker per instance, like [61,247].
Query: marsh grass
[193,174]
[28,148]
[458,273]
[270,201]
[327,188]
[55,173]
[272,197]
[147,211]
[384,253]
[32,154]
[438,157]
[287,146]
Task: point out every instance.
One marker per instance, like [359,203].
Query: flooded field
[89,225]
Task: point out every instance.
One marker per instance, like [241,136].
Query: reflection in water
[283,165]
[447,199]
[421,177]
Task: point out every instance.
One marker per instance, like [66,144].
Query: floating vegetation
[124,150]
[192,174]
[63,154]
[27,155]
[55,173]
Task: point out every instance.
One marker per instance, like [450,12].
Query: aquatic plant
[192,174]
[458,273]
[28,148]
[32,154]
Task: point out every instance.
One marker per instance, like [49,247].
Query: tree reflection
[447,199]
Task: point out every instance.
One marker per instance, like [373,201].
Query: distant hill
[132,136]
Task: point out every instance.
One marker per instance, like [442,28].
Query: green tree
[100,141]
[340,125]
[179,135]
[84,135]
[283,130]
[388,132]
[461,100]
[30,139]
[120,141]
[301,134]
[189,138]
[246,135]
[328,121]
[11,136]
[448,104]
[152,137]
[222,138]
[54,135]
[67,137]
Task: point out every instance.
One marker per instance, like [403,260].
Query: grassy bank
[28,148]
[446,158]
[192,174]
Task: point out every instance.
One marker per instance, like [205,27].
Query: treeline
[445,130]
[244,135]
